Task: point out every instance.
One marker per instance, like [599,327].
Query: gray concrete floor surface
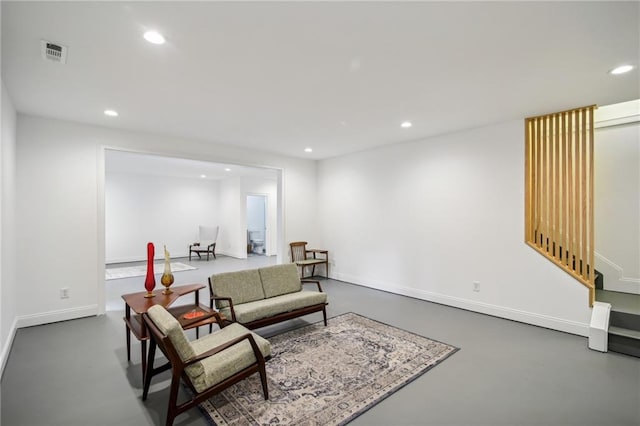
[75,373]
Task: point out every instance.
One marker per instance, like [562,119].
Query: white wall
[162,210]
[428,218]
[617,206]
[233,235]
[60,207]
[8,281]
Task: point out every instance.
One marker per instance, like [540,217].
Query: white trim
[616,114]
[617,121]
[56,316]
[618,269]
[4,357]
[620,283]
[559,324]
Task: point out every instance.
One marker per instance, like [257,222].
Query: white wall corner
[6,347]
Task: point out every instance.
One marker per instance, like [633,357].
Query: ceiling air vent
[54,52]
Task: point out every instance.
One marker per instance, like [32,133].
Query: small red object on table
[193,314]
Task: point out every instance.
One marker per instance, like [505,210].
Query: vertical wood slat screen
[559,191]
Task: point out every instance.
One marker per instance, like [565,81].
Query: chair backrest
[208,234]
[170,337]
[280,279]
[240,286]
[298,250]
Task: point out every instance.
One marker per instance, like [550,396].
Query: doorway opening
[257,224]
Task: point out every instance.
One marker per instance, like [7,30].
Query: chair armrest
[228,299]
[227,345]
[312,281]
[194,244]
[317,251]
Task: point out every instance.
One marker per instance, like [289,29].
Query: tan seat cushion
[259,309]
[228,362]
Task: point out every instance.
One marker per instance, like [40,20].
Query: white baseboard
[156,259]
[559,324]
[56,316]
[39,319]
[236,254]
[6,347]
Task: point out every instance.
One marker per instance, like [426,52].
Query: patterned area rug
[141,270]
[328,375]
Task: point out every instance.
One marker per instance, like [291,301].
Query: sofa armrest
[228,300]
[313,281]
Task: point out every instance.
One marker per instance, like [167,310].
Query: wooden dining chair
[304,258]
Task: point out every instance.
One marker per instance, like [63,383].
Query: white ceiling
[336,76]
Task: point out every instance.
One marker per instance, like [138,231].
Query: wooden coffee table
[140,304]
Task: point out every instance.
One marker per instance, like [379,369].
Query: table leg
[127,314]
[128,332]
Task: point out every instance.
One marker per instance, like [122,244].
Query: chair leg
[173,398]
[324,314]
[149,371]
[263,379]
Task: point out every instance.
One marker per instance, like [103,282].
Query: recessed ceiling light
[308,150]
[203,176]
[406,124]
[154,37]
[110,113]
[621,69]
[227,169]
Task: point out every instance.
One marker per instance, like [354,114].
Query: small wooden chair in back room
[207,238]
[305,258]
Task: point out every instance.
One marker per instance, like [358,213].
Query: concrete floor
[506,373]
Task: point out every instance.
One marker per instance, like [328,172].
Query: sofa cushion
[240,286]
[280,279]
[170,327]
[229,361]
[259,309]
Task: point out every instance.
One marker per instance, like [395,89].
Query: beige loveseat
[259,297]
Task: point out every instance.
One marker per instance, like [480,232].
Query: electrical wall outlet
[64,293]
[476,286]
